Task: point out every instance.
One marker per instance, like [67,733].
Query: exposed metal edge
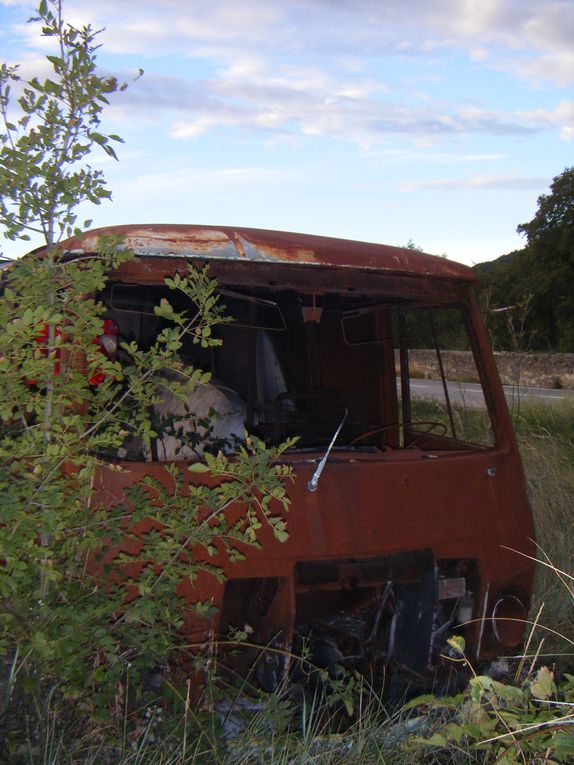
[482,622]
[286,262]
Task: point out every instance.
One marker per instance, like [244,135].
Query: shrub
[66,635]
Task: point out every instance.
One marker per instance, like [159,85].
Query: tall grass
[276,730]
[546,441]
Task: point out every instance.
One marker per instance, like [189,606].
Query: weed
[557,383]
[555,420]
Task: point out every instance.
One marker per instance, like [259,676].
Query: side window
[442,401]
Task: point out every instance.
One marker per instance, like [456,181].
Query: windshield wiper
[314,482]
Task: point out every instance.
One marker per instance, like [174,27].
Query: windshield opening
[292,363]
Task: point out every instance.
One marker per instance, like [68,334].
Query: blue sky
[436,121]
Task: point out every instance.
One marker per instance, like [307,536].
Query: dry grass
[546,439]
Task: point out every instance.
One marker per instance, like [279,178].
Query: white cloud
[506,29]
[292,68]
[540,69]
[403,156]
[190,182]
[561,117]
[508,182]
[308,42]
[316,104]
[489,30]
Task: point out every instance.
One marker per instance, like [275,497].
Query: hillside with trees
[528,295]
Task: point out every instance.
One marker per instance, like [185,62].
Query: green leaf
[56,61]
[280,535]
[435,740]
[563,741]
[98,138]
[457,642]
[198,467]
[349,704]
[543,686]
[109,151]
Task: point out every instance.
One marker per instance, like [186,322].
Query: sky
[436,122]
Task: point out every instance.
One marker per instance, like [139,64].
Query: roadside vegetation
[546,438]
[526,295]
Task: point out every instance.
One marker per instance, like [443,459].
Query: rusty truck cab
[412,528]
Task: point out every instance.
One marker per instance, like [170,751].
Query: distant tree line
[528,295]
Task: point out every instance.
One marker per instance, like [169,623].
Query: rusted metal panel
[383,507]
[254,245]
[317,280]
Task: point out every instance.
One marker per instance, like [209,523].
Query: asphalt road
[470,394]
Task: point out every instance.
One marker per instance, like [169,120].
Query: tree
[59,623]
[548,263]
[533,285]
[505,302]
[410,245]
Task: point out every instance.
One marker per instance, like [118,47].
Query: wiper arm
[314,482]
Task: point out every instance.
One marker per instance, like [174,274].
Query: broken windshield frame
[250,310]
[299,359]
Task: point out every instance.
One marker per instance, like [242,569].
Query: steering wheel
[431,425]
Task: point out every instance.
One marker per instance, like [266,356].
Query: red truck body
[418,525]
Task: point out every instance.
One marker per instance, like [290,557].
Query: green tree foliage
[61,623]
[536,282]
[549,262]
[505,301]
[43,175]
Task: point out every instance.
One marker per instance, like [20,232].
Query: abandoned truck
[409,520]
